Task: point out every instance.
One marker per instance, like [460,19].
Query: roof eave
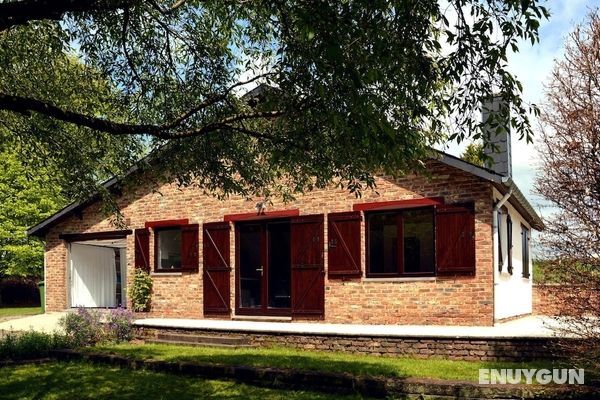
[476,170]
[502,183]
[534,219]
[42,228]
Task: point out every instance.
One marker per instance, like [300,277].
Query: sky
[532,65]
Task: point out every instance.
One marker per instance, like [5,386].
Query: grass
[317,361]
[542,274]
[18,311]
[548,272]
[80,380]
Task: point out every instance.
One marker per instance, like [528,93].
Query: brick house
[437,249]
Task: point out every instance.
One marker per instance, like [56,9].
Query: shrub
[119,325]
[140,290]
[84,327]
[19,292]
[31,344]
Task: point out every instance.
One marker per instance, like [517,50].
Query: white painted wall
[512,293]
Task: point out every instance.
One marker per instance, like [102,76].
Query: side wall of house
[456,301]
[512,293]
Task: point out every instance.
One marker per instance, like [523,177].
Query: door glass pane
[279,265]
[383,244]
[250,264]
[418,241]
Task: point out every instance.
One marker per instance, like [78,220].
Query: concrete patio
[47,322]
[526,327]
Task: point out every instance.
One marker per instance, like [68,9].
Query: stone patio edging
[492,349]
[25,361]
[336,383]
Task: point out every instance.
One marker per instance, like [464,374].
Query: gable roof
[76,207]
[502,183]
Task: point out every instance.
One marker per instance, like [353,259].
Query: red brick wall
[556,299]
[545,300]
[456,301]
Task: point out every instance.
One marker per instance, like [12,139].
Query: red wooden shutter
[343,241]
[142,249]
[308,282]
[455,239]
[189,247]
[215,248]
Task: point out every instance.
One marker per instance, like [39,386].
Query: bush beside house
[82,328]
[19,292]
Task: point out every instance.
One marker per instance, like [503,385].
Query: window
[383,244]
[418,241]
[525,250]
[168,245]
[401,243]
[176,248]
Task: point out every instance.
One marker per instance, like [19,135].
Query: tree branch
[14,13]
[223,123]
[171,8]
[212,100]
[125,51]
[26,106]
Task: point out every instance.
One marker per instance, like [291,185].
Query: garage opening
[98,273]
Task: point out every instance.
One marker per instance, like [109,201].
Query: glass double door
[264,268]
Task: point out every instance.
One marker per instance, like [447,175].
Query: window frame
[400,271]
[156,232]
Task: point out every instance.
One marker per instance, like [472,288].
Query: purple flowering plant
[83,327]
[88,327]
[119,325]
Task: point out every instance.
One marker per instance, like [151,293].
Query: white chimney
[497,130]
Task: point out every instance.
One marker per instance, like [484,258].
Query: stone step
[203,339]
[198,344]
[261,318]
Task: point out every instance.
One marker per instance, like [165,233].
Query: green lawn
[86,381]
[316,361]
[17,311]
